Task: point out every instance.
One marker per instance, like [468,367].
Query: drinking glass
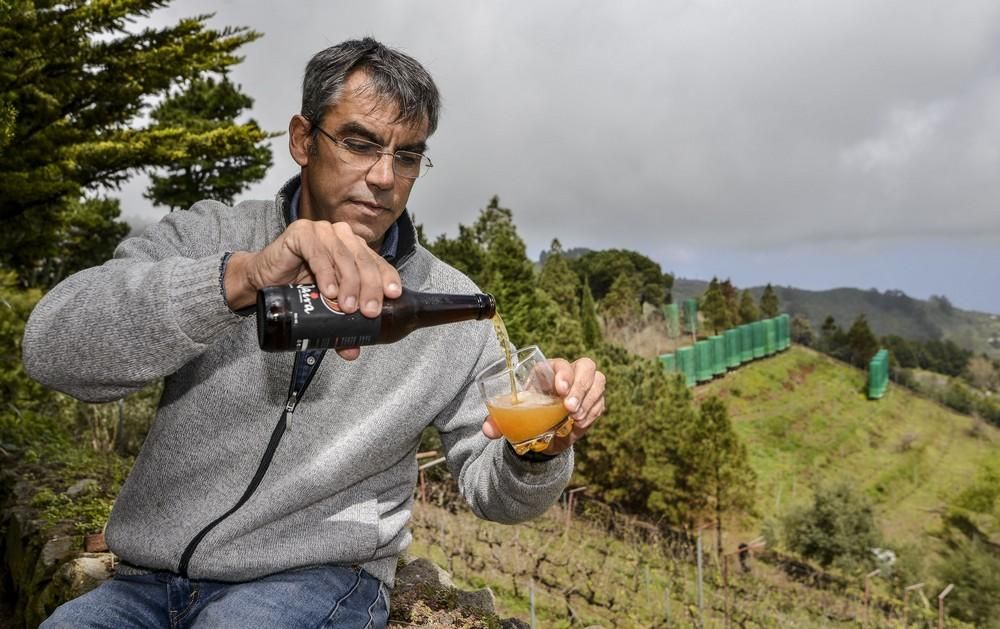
[522,400]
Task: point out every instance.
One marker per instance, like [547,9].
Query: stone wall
[42,566]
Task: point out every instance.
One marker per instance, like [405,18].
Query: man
[253,505]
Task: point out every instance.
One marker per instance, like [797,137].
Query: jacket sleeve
[496,483]
[108,330]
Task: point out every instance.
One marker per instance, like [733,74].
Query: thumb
[490,429]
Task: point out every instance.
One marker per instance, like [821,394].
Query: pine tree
[7,115]
[717,477]
[223,157]
[588,318]
[713,307]
[802,331]
[79,81]
[769,302]
[558,280]
[861,342]
[731,296]
[603,267]
[622,307]
[465,253]
[630,460]
[748,309]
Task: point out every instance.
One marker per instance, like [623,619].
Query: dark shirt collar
[390,243]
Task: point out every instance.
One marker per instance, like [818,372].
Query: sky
[810,144]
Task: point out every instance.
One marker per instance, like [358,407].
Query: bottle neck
[439,308]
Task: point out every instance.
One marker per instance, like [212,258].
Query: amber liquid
[504,341]
[529,417]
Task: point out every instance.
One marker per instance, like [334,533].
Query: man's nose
[381,173]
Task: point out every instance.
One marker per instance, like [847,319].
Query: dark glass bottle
[293,318]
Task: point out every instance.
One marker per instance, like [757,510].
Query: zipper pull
[293,399]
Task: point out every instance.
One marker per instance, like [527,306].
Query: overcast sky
[811,144]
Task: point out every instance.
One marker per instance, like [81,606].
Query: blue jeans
[321,596]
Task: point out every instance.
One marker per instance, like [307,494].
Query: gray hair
[393,77]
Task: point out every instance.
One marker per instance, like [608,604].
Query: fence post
[906,601]
[423,480]
[945,592]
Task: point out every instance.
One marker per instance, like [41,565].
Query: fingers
[340,263]
[562,371]
[349,353]
[592,404]
[584,371]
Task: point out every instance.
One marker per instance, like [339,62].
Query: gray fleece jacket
[339,487]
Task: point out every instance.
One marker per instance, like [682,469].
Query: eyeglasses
[362,154]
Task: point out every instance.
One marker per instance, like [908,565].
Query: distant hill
[888,312]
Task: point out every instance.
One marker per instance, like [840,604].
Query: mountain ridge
[888,312]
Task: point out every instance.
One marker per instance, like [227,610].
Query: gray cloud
[672,127]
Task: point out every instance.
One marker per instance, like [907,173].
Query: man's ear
[300,140]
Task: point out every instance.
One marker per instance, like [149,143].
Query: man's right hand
[329,255]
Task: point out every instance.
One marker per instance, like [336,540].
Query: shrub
[838,529]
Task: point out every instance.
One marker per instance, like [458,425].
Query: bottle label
[318,323]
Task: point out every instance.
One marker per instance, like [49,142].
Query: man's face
[370,200]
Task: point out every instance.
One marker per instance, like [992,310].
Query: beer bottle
[298,317]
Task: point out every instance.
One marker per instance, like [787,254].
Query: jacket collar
[407,232]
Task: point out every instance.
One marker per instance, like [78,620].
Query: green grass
[806,421]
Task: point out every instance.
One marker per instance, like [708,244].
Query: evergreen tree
[559,281]
[492,253]
[748,309]
[80,82]
[714,308]
[769,302]
[465,253]
[603,267]
[861,343]
[7,115]
[717,477]
[588,318]
[802,331]
[630,460]
[222,159]
[83,233]
[622,307]
[731,296]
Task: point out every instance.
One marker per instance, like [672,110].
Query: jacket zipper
[295,394]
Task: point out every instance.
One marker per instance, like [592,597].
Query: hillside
[805,420]
[889,312]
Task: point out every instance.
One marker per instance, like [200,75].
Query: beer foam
[525,399]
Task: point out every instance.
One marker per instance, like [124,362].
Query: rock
[514,623]
[59,549]
[87,571]
[480,599]
[420,571]
[81,486]
[424,595]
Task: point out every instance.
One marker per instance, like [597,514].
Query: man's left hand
[581,386]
